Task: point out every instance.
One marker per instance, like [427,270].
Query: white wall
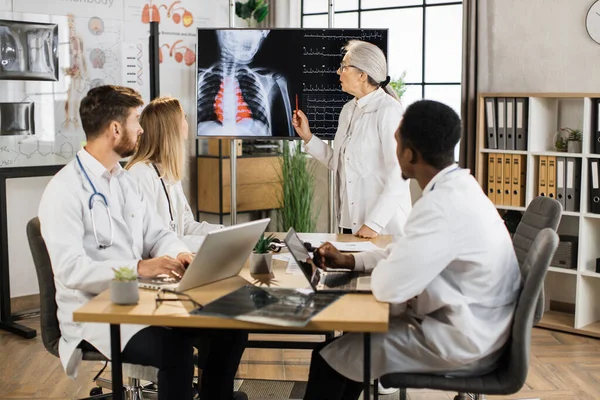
[536,46]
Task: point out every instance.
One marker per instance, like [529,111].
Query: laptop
[325,281]
[221,255]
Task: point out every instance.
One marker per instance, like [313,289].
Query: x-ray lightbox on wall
[249,81]
[16,119]
[28,51]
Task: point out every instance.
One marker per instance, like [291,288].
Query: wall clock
[592,22]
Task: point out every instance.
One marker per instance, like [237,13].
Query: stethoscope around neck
[172,222]
[91,201]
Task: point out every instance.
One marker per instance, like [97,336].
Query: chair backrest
[515,364]
[43,267]
[543,212]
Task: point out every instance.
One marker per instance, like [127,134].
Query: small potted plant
[256,10]
[560,143]
[124,287]
[261,258]
[399,85]
[573,140]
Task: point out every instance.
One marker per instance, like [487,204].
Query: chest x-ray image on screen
[251,80]
[241,91]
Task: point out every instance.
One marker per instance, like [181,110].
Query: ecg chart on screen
[322,99]
[368,36]
[323,110]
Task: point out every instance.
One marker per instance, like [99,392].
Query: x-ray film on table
[271,306]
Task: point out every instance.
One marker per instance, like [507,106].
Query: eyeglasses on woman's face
[344,67]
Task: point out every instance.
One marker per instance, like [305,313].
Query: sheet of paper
[292,266]
[349,246]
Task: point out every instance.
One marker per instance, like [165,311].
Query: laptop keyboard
[340,280]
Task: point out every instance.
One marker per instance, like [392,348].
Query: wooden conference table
[351,313]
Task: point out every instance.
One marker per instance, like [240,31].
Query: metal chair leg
[403,395]
[98,397]
[104,383]
[376,389]
[133,389]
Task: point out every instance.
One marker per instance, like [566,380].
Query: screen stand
[331,183]
[232,143]
[233,177]
[331,176]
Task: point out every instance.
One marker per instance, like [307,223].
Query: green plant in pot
[124,287]
[296,209]
[261,258]
[573,139]
[398,85]
[256,10]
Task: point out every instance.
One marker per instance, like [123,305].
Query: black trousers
[171,351]
[325,383]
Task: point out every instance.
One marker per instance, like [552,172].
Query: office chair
[542,212]
[49,321]
[511,372]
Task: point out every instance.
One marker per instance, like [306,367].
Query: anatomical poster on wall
[178,20]
[80,8]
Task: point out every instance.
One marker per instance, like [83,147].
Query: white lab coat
[190,231]
[376,193]
[81,270]
[452,280]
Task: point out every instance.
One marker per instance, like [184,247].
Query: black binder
[490,122]
[596,125]
[501,122]
[522,122]
[511,142]
[595,186]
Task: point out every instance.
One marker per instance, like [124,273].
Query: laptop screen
[302,257]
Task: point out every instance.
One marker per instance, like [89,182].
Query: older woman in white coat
[371,196]
[158,166]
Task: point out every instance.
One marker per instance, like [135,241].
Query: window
[424,41]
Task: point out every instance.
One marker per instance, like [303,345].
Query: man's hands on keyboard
[328,257]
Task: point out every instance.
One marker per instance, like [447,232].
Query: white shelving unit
[572,295]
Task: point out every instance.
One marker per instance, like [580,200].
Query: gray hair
[370,59]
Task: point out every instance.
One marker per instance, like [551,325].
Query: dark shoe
[240,396]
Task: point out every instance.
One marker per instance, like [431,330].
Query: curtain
[271,20]
[469,86]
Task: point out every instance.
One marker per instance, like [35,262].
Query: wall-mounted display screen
[249,81]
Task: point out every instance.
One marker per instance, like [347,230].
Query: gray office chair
[49,321]
[510,375]
[542,212]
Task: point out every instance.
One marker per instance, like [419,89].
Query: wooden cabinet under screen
[258,184]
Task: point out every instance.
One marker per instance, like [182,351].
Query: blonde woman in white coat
[372,197]
[158,166]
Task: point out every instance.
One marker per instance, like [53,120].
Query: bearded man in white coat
[452,280]
[94,218]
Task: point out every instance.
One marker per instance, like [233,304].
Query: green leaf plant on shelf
[568,140]
[256,10]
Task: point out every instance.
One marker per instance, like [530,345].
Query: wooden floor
[563,366]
